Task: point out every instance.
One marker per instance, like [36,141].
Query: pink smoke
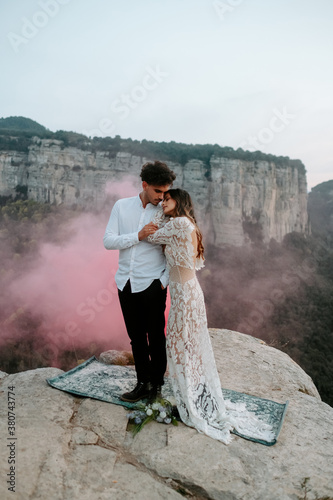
[127,187]
[71,286]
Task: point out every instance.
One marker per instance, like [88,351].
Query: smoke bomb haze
[66,294]
[59,301]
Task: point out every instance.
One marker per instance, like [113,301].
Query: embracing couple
[160,244]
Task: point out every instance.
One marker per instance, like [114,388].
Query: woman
[194,377]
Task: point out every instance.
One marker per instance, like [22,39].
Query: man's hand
[147,230]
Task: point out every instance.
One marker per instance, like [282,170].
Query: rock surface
[113,357]
[236,200]
[70,447]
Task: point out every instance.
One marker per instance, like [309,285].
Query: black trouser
[145,322]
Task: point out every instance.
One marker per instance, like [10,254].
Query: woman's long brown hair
[184,208]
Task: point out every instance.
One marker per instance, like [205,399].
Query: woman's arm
[179,227]
[160,219]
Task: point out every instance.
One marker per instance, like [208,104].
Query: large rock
[70,447]
[113,357]
[236,200]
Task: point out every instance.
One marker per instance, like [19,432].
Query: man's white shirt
[139,261]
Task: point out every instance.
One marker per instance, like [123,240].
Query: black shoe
[155,393]
[175,413]
[140,391]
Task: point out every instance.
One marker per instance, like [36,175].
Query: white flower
[155,406]
[149,412]
[163,414]
[167,420]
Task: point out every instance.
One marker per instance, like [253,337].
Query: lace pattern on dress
[191,361]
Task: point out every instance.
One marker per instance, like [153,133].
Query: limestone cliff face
[236,200]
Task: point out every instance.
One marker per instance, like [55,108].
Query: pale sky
[251,73]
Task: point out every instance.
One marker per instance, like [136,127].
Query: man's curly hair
[157,174]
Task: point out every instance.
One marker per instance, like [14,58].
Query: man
[142,278]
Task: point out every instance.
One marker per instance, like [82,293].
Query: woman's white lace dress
[194,377]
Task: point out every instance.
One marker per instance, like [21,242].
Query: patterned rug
[97,380]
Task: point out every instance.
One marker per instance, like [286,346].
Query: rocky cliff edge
[70,447]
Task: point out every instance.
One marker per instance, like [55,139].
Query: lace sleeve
[180,227]
[160,219]
[199,263]
[162,235]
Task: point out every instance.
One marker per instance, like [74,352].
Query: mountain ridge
[21,123]
[167,151]
[238,200]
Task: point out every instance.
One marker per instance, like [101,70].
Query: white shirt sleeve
[113,240]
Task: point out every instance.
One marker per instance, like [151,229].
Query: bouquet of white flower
[160,410]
